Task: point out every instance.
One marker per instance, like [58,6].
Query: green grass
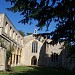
[23,70]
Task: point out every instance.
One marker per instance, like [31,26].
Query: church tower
[35,31]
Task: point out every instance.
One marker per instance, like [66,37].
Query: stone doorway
[34,61]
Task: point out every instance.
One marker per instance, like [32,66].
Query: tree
[8,56]
[21,32]
[45,11]
[28,33]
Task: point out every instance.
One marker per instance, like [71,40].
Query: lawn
[23,70]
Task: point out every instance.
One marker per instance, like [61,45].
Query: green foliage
[8,55]
[21,68]
[28,33]
[21,32]
[11,48]
[2,43]
[45,11]
[24,70]
[62,12]
[70,48]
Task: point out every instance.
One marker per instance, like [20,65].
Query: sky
[16,17]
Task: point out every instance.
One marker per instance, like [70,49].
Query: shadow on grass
[44,71]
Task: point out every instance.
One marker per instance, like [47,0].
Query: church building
[31,50]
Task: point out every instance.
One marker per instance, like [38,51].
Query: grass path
[23,70]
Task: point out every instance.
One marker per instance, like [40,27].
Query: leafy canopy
[29,33]
[45,11]
[21,32]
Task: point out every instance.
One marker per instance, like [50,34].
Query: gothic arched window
[34,47]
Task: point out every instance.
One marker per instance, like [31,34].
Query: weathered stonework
[10,37]
[22,54]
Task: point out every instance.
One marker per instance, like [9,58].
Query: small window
[6,27]
[13,34]
[6,23]
[16,35]
[13,31]
[10,31]
[10,28]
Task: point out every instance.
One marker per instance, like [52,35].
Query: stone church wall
[46,55]
[9,37]
[2,58]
